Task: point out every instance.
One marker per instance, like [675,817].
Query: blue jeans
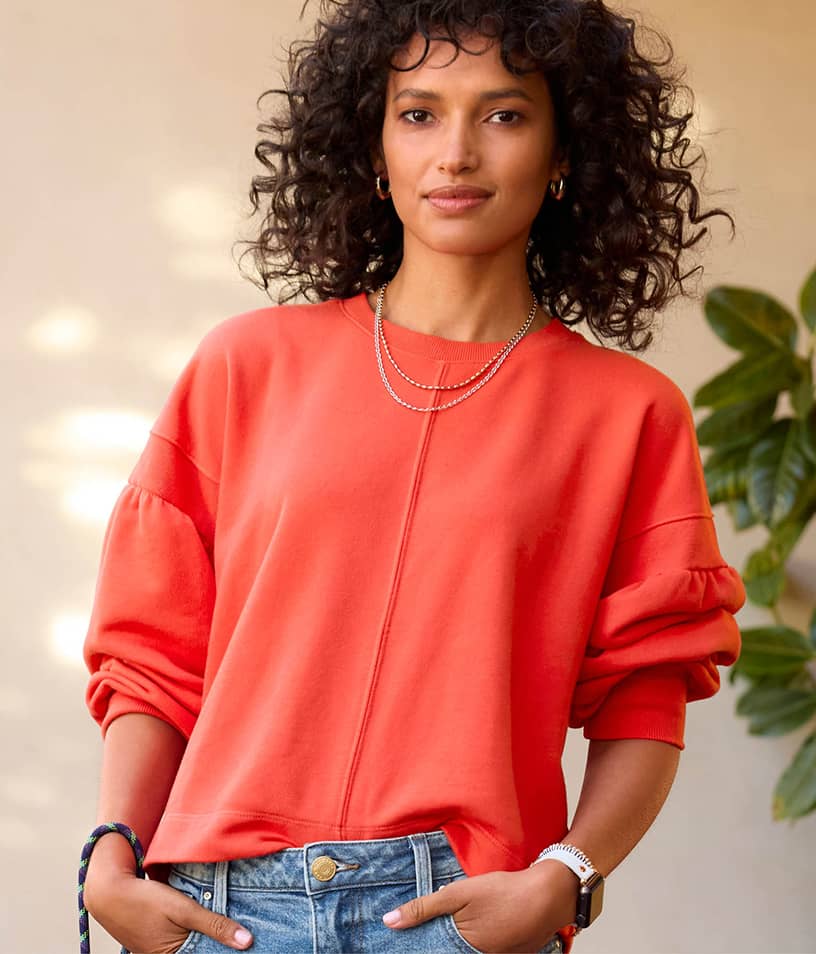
[328,897]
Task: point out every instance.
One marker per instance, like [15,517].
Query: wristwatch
[591,889]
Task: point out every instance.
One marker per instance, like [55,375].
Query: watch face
[590,901]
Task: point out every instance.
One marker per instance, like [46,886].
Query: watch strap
[590,891]
[572,857]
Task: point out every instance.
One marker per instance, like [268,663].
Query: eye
[515,117]
[414,112]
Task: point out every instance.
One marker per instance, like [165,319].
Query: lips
[458,192]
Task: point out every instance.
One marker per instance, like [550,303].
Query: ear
[564,164]
[378,159]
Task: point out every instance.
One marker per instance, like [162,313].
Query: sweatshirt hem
[185,836]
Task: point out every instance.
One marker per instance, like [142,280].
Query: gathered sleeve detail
[146,644]
[665,618]
[655,645]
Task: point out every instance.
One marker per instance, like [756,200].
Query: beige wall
[127,150]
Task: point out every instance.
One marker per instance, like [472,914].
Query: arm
[141,757]
[626,782]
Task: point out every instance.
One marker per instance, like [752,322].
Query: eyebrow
[490,94]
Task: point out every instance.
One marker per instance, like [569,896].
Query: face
[467,122]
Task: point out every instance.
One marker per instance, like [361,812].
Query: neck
[460,298]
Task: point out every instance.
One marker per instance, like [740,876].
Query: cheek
[525,183]
[530,165]
[532,182]
[400,148]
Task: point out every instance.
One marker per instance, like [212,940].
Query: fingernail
[392,917]
[242,936]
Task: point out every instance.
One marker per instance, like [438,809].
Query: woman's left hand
[502,912]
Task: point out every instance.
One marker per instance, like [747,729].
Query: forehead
[478,59]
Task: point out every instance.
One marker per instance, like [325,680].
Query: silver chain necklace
[497,360]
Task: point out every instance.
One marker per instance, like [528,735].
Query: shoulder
[265,329]
[625,382]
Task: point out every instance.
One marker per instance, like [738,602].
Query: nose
[457,150]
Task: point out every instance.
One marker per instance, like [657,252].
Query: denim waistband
[321,866]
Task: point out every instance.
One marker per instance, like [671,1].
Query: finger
[421,909]
[196,917]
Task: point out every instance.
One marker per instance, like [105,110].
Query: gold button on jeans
[324,867]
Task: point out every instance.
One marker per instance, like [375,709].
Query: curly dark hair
[608,253]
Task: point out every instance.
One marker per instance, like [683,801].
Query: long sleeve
[664,622]
[147,639]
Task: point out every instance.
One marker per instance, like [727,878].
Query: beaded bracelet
[90,844]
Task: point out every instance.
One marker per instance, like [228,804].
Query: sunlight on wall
[16,832]
[166,362]
[202,219]
[27,790]
[83,430]
[14,702]
[67,635]
[63,330]
[197,213]
[205,263]
[83,457]
[90,500]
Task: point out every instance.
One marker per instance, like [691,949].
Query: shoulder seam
[182,451]
[153,493]
[158,496]
[661,523]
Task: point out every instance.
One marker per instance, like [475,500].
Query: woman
[382,549]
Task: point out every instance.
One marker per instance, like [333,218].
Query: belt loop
[220,887]
[422,858]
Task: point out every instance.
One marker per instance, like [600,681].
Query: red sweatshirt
[371,621]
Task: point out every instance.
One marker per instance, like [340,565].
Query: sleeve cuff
[648,704]
[121,704]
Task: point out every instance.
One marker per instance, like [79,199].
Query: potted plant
[762,465]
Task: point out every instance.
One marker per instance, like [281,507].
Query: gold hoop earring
[558,193]
[380,193]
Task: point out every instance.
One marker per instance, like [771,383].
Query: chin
[463,244]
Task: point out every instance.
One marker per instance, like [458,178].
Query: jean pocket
[457,937]
[553,946]
[200,894]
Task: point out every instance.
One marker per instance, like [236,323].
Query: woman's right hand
[149,917]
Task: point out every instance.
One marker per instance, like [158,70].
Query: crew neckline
[360,311]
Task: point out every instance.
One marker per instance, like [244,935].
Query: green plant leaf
[736,424]
[753,377]
[812,628]
[795,679]
[764,579]
[809,436]
[726,473]
[807,301]
[795,792]
[802,392]
[801,679]
[750,321]
[741,513]
[764,573]
[776,710]
[773,650]
[779,472]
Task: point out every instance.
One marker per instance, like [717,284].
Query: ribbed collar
[447,349]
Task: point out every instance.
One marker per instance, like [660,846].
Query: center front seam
[427,425]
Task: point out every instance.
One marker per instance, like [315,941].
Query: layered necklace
[496,361]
